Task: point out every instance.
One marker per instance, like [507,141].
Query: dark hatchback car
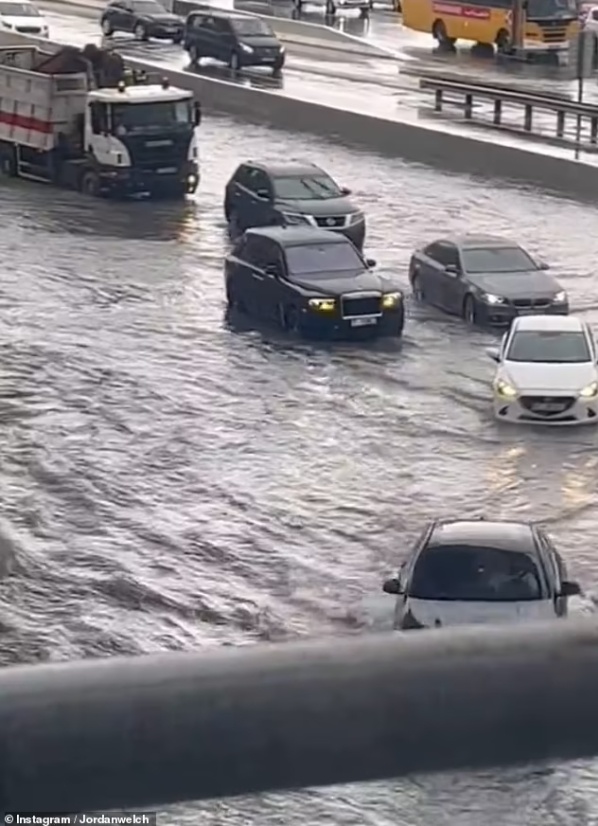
[143,18]
[478,572]
[311,282]
[291,194]
[484,279]
[235,38]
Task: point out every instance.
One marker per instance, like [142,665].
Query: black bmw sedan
[485,279]
[143,18]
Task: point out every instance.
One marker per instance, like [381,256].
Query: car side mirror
[263,194]
[345,190]
[392,586]
[493,353]
[371,262]
[451,269]
[197,113]
[272,269]
[542,265]
[570,589]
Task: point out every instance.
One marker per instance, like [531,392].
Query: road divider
[435,144]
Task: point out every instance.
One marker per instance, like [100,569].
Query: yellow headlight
[391,300]
[590,391]
[325,305]
[505,389]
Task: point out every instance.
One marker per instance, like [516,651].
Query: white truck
[58,127]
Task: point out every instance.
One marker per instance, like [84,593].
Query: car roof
[506,536]
[476,241]
[230,14]
[556,323]
[288,170]
[298,236]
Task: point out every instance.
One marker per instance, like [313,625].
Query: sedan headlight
[391,300]
[503,388]
[324,305]
[590,391]
[560,298]
[295,218]
[357,217]
[489,298]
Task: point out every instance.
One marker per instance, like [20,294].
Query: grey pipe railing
[148,731]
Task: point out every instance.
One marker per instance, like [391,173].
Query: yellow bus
[549,24]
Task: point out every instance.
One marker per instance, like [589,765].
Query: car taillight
[409,623]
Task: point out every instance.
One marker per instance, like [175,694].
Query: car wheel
[234,62]
[277,70]
[290,320]
[90,184]
[140,32]
[503,42]
[107,29]
[330,8]
[194,55]
[8,164]
[177,39]
[417,288]
[470,310]
[233,301]
[400,324]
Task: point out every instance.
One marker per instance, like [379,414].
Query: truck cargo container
[58,126]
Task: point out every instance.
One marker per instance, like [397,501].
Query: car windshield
[143,117]
[497,259]
[471,573]
[323,259]
[18,10]
[306,188]
[250,26]
[148,7]
[551,8]
[549,347]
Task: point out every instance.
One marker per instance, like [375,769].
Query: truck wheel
[90,184]
[439,33]
[140,32]
[8,165]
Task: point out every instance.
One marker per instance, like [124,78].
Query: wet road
[171,481]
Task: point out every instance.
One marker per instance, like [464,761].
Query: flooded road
[171,481]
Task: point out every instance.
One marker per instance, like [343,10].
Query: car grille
[28,29]
[358,305]
[531,303]
[547,405]
[331,221]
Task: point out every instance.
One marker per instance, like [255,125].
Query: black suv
[235,38]
[144,18]
[311,282]
[477,572]
[260,195]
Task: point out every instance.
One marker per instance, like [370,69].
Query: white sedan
[547,372]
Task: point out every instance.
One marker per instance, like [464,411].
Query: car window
[497,259]
[257,179]
[18,10]
[549,347]
[251,26]
[472,573]
[323,259]
[197,21]
[147,7]
[306,188]
[257,251]
[444,253]
[221,26]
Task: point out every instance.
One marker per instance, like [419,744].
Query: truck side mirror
[196,113]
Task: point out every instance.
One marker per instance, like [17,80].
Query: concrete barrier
[429,144]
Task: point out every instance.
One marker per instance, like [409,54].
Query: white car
[23,17]
[546,372]
[331,7]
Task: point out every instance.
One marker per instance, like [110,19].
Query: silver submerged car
[546,372]
[485,279]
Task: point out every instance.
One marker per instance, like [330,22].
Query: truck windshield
[136,117]
[538,9]
[18,10]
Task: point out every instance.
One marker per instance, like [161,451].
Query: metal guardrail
[499,96]
[149,731]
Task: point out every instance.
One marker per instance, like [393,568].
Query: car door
[223,39]
[127,16]
[257,199]
[207,38]
[276,288]
[430,272]
[452,288]
[116,14]
[256,260]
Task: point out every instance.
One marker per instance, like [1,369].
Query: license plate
[548,407]
[364,321]
[533,311]
[166,170]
